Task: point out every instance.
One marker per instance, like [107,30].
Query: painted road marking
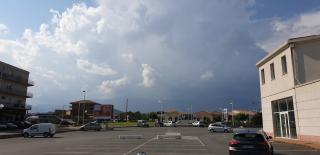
[136,148]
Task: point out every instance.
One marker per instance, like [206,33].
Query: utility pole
[191,113]
[127,109]
[232,114]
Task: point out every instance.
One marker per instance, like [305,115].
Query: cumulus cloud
[148,79]
[107,87]
[92,68]
[298,26]
[3,29]
[208,75]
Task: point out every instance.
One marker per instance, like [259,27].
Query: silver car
[218,127]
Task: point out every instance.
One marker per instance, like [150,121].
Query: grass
[127,124]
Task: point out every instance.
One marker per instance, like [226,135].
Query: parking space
[193,141]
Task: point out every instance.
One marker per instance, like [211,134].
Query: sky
[179,53]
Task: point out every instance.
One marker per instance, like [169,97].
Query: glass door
[284,124]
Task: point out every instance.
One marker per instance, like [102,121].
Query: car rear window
[248,137]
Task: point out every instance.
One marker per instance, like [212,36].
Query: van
[41,129]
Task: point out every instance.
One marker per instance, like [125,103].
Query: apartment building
[290,89]
[14,83]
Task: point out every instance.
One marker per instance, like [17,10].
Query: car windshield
[158,77]
[249,137]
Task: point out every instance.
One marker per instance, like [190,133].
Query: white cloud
[302,25]
[92,68]
[147,76]
[208,75]
[3,29]
[107,87]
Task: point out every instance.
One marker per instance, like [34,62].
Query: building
[86,110]
[290,88]
[14,83]
[103,112]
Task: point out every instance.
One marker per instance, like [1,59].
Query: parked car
[3,126]
[142,123]
[198,124]
[40,129]
[91,126]
[169,124]
[11,126]
[250,142]
[218,127]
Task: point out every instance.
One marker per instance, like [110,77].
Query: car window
[249,137]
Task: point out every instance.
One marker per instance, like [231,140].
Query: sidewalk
[313,145]
[18,133]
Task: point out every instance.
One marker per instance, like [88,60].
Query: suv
[219,127]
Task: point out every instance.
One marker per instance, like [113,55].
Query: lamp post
[232,114]
[1,106]
[84,106]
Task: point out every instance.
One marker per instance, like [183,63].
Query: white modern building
[290,89]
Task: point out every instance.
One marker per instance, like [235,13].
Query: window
[272,71]
[263,80]
[284,65]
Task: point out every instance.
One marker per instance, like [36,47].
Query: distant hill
[117,112]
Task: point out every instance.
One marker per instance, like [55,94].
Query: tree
[256,120]
[241,119]
[153,116]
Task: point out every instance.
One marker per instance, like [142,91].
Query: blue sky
[199,53]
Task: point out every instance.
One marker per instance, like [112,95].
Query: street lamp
[1,106]
[232,114]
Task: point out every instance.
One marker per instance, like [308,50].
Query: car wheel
[46,134]
[212,130]
[25,135]
[225,130]
[51,135]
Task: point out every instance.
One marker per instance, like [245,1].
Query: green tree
[153,115]
[256,120]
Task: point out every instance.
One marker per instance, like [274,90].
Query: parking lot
[194,141]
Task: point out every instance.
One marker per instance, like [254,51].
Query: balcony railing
[13,105]
[29,95]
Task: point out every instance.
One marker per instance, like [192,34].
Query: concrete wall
[282,82]
[308,103]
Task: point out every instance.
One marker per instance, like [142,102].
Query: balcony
[29,95]
[13,105]
[16,92]
[30,83]
[17,79]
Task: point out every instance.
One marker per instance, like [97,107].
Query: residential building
[86,110]
[103,112]
[14,83]
[83,110]
[290,88]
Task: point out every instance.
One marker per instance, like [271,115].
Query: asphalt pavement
[194,141]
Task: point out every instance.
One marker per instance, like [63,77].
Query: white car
[41,129]
[197,124]
[169,124]
[219,127]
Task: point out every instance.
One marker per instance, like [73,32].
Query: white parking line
[67,152]
[136,148]
[296,150]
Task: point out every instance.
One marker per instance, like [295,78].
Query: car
[250,142]
[169,124]
[40,129]
[198,124]
[142,123]
[91,126]
[3,126]
[219,127]
[11,126]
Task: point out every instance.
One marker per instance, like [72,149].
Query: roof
[285,46]
[84,101]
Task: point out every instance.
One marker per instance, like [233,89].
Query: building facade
[14,83]
[290,88]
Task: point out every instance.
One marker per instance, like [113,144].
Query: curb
[299,143]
